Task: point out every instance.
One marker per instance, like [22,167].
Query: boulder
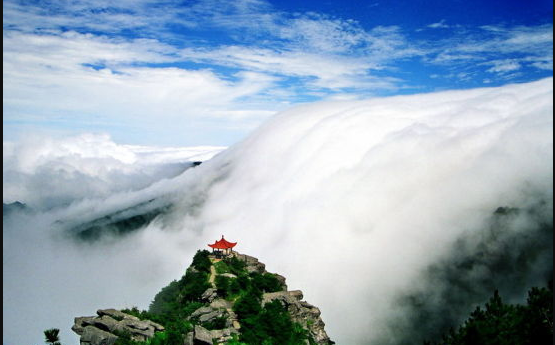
[301,312]
[105,323]
[115,314]
[94,336]
[221,303]
[202,336]
[296,294]
[281,280]
[189,339]
[200,311]
[139,330]
[80,323]
[211,316]
[257,267]
[94,330]
[228,275]
[209,295]
[253,265]
[157,327]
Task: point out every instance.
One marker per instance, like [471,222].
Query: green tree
[201,261]
[507,324]
[248,305]
[52,336]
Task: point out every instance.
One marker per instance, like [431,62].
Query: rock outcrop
[301,312]
[104,328]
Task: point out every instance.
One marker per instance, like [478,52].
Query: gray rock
[94,336]
[282,296]
[296,294]
[302,312]
[105,323]
[209,295]
[189,339]
[258,268]
[202,336]
[157,327]
[200,311]
[140,330]
[249,260]
[228,275]
[94,330]
[115,314]
[211,316]
[281,280]
[221,303]
[80,323]
[136,325]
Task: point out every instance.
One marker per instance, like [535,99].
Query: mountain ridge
[224,300]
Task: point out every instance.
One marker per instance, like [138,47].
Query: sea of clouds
[353,201]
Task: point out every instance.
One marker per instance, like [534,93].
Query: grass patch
[221,267]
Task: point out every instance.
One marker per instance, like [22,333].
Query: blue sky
[208,72]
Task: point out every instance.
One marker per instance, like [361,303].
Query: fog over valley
[396,216]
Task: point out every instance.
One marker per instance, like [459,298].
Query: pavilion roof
[222,244]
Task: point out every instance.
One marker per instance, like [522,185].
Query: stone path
[211,280]
[212,276]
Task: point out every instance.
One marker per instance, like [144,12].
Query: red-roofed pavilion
[223,245]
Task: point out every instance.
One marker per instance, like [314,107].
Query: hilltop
[229,300]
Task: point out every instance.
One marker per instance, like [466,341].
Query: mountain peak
[222,299]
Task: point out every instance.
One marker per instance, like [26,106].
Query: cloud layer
[217,70]
[353,201]
[46,173]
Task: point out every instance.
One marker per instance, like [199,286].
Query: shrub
[500,323]
[52,336]
[222,284]
[266,282]
[201,261]
[216,323]
[248,305]
[273,326]
[193,285]
[221,267]
[236,266]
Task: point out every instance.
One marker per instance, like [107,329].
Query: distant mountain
[8,209]
[120,222]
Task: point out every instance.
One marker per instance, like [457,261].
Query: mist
[47,173]
[379,210]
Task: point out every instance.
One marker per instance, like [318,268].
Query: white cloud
[100,64]
[46,173]
[439,25]
[328,72]
[350,200]
[49,76]
[503,66]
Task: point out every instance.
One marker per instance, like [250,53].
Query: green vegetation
[266,282]
[168,337]
[235,266]
[500,323]
[267,325]
[221,267]
[180,298]
[52,336]
[217,323]
[201,261]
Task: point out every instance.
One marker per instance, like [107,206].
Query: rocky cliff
[238,305]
